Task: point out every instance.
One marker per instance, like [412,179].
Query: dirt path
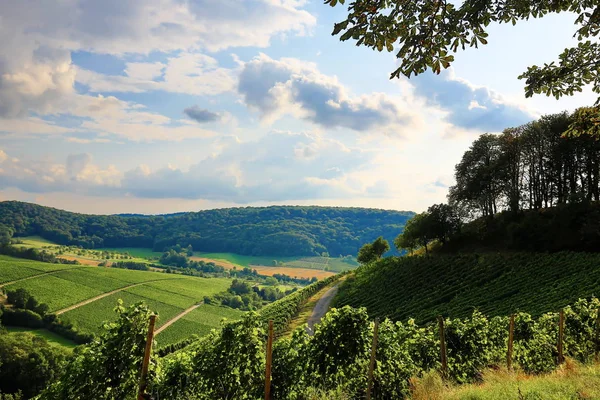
[321,307]
[177,317]
[88,301]
[38,275]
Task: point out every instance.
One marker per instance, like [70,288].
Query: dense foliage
[427,32]
[33,254]
[28,363]
[453,285]
[373,251]
[533,166]
[277,231]
[108,368]
[337,355]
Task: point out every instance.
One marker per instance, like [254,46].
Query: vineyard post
[372,363]
[146,361]
[269,359]
[597,352]
[443,355]
[511,334]
[561,333]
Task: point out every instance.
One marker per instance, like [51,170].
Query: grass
[51,337]
[36,242]
[241,261]
[306,311]
[198,322]
[572,381]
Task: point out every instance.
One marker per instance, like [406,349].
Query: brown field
[83,261]
[270,271]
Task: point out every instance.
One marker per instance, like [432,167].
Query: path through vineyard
[103,295]
[321,307]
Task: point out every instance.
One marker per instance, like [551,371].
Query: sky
[160,106]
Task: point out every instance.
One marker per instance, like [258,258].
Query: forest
[276,231]
[534,187]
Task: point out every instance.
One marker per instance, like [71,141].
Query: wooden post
[597,352]
[511,334]
[372,363]
[269,359]
[146,361]
[443,355]
[561,333]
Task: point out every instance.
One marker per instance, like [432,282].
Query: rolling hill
[272,231]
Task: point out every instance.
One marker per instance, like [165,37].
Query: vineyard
[341,357]
[495,284]
[282,311]
[63,287]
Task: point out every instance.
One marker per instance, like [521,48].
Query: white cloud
[78,175]
[195,74]
[35,61]
[277,167]
[290,86]
[469,107]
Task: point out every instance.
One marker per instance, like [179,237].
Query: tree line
[273,231]
[534,187]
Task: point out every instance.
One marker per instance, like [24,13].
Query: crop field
[167,294]
[494,283]
[198,322]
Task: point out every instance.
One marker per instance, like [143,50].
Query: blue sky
[168,105]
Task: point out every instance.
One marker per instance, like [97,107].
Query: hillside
[273,231]
[86,296]
[453,285]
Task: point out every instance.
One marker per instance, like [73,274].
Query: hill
[423,287]
[272,231]
[86,296]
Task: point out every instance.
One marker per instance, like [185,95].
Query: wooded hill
[277,230]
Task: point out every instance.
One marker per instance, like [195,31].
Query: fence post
[597,352]
[443,355]
[561,333]
[372,363]
[511,335]
[269,360]
[146,361]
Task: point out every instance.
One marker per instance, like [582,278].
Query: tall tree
[478,180]
[427,32]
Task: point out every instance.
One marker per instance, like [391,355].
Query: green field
[51,337]
[135,252]
[495,283]
[198,322]
[166,294]
[146,255]
[331,263]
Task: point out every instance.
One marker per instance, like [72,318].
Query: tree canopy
[276,231]
[373,251]
[428,32]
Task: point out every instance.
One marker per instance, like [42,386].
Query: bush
[24,318]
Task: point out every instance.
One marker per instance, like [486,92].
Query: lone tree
[373,251]
[428,31]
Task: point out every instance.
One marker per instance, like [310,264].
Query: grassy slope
[496,284]
[572,381]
